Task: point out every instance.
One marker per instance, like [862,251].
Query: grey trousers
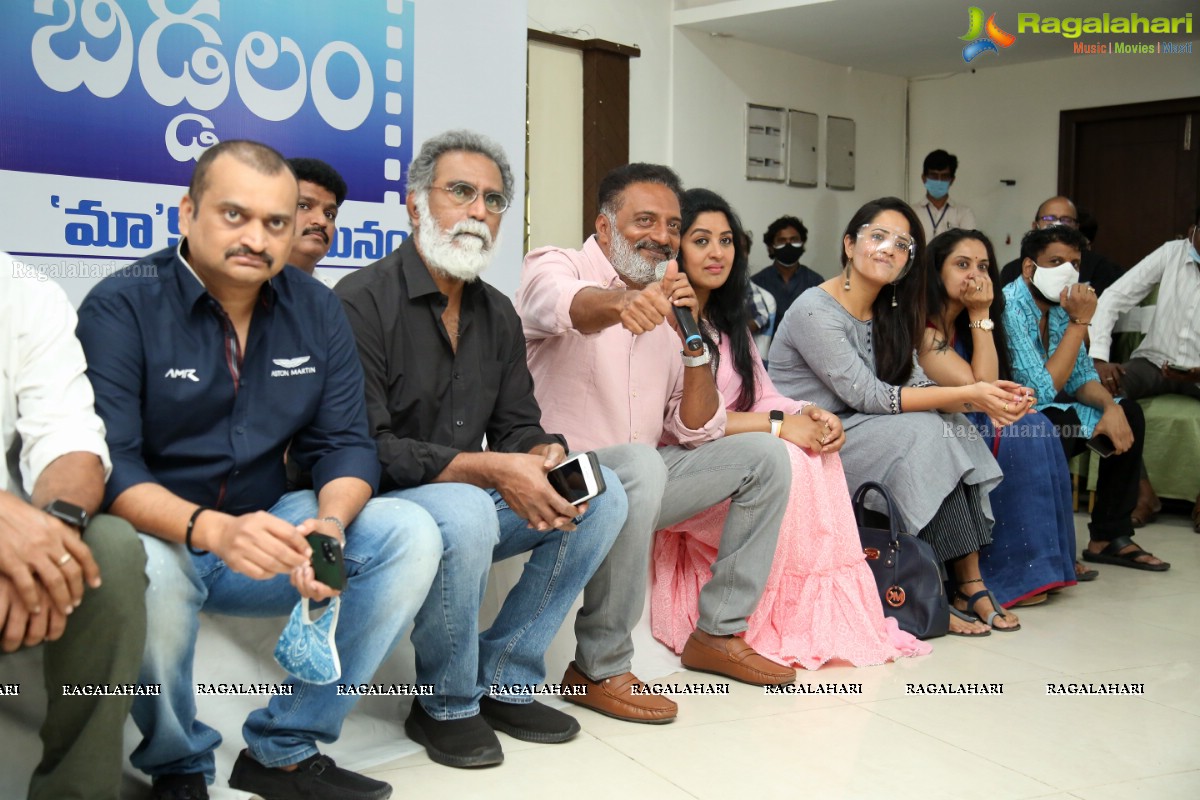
[1143,379]
[667,486]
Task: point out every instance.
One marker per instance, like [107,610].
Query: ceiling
[912,38]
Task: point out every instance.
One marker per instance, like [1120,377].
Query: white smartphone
[578,479]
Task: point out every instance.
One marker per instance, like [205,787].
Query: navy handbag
[906,570]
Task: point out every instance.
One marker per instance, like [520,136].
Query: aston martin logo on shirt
[292,366]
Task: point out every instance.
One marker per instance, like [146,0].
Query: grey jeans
[667,486]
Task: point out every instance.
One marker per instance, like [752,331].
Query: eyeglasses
[1050,219]
[464,194]
[881,237]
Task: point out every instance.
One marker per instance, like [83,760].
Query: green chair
[1172,448]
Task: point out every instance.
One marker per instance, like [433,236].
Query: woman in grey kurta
[848,345]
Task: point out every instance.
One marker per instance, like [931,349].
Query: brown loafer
[622,697]
[1036,600]
[732,657]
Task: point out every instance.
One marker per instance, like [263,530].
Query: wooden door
[1136,168]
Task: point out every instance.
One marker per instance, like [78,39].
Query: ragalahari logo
[979,44]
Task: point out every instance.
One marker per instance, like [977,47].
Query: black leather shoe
[531,722]
[455,742]
[189,786]
[314,778]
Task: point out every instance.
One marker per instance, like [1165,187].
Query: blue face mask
[937,189]
[306,648]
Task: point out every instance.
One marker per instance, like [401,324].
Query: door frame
[1069,122]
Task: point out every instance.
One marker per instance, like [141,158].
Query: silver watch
[983,325]
[695,361]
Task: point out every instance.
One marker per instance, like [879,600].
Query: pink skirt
[820,603]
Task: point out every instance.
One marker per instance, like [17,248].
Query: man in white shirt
[936,212]
[1168,359]
[54,481]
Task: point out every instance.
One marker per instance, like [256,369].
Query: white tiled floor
[1126,627]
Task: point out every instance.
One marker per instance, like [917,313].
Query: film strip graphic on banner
[106,106]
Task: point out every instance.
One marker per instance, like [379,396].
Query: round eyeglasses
[464,194]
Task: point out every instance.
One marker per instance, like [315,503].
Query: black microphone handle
[687,324]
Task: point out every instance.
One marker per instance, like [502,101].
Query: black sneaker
[189,786]
[314,778]
[531,722]
[455,742]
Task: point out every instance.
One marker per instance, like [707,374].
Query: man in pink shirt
[604,351]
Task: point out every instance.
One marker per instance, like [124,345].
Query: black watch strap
[69,513]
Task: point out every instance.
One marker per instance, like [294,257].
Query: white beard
[627,261]
[462,253]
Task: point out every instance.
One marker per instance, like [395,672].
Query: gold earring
[846,285]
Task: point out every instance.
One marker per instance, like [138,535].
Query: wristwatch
[983,325]
[695,361]
[776,422]
[69,513]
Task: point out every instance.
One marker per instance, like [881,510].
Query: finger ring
[1006,406]
[979,288]
[64,559]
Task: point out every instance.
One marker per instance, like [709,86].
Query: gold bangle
[1087,324]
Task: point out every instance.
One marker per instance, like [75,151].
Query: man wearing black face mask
[786,277]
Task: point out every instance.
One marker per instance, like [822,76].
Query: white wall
[643,23]
[715,78]
[687,99]
[483,91]
[1002,122]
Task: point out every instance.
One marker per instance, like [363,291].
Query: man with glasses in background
[1094,269]
[444,359]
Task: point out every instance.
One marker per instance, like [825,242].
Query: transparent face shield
[899,247]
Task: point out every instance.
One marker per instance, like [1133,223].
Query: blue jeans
[478,528]
[391,554]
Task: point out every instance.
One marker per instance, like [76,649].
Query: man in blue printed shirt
[1046,317]
[205,372]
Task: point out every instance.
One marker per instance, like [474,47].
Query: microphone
[687,323]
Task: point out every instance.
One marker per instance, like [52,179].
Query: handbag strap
[859,504]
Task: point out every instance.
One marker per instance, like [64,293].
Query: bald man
[1094,269]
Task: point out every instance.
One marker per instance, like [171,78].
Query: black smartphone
[1102,445]
[577,479]
[327,563]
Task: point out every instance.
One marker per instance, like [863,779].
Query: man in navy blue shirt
[209,361]
[785,278]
